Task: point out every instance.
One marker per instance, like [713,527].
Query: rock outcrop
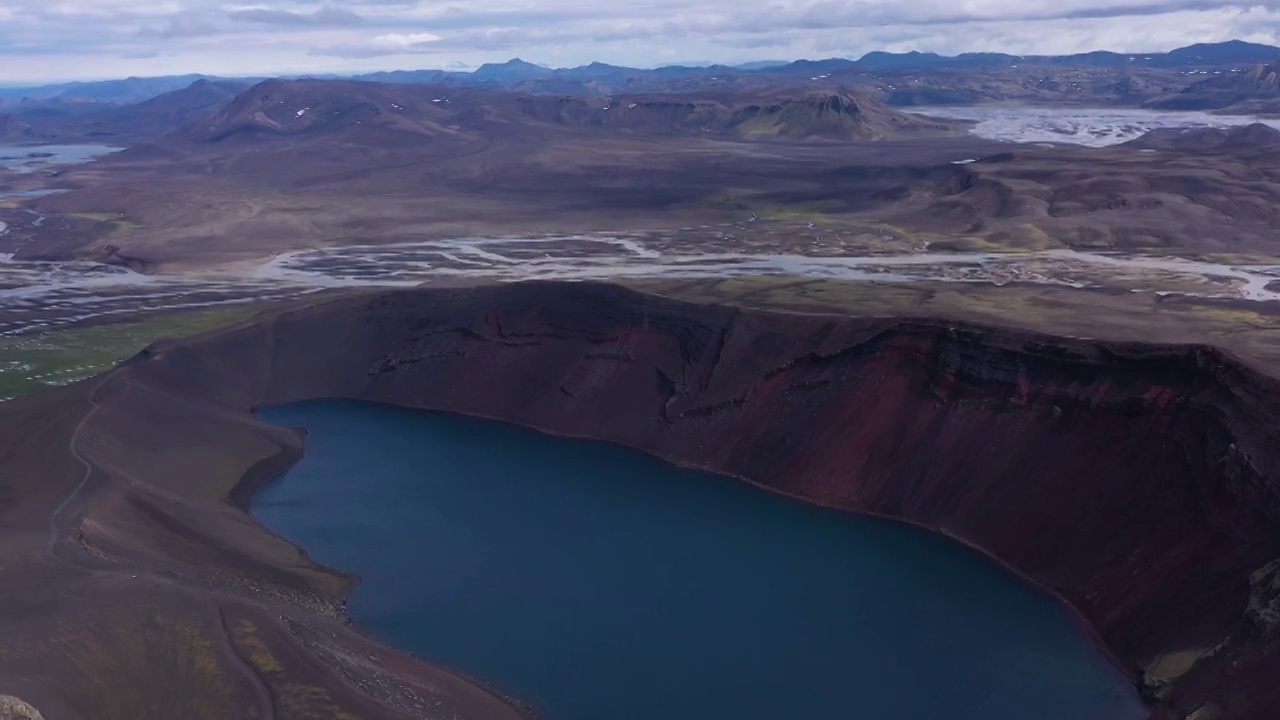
[11,708]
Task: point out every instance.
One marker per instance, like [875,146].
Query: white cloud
[401,40]
[323,15]
[62,39]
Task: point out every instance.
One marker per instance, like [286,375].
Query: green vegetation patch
[295,700]
[145,663]
[118,220]
[33,362]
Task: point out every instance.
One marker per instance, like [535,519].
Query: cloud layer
[44,40]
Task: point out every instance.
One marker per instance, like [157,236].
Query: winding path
[255,680]
[88,472]
[259,687]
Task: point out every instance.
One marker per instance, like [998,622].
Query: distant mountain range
[127,90]
[114,121]
[1233,52]
[369,113]
[336,109]
[602,77]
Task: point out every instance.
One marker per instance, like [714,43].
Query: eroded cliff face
[1138,482]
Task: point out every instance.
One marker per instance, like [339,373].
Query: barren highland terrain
[852,283]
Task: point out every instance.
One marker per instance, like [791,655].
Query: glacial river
[593,582]
[1096,127]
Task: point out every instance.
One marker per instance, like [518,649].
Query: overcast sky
[45,40]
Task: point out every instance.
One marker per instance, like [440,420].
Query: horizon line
[738,66]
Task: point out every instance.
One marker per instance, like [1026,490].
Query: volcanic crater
[1133,480]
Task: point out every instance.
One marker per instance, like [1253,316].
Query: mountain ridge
[311,108]
[515,70]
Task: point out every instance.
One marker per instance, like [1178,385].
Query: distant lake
[29,158]
[597,583]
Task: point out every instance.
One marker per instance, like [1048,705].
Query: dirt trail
[259,687]
[88,473]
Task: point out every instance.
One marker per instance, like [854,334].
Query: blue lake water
[28,158]
[597,583]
